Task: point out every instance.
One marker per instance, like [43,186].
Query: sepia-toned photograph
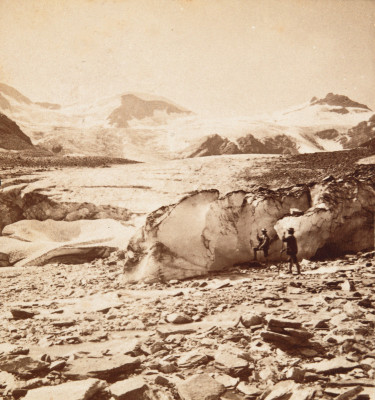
[187,199]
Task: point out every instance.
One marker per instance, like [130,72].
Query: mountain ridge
[146,127]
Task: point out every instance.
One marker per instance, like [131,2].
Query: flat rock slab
[227,380]
[336,365]
[78,390]
[299,333]
[282,339]
[192,359]
[350,394]
[303,394]
[248,389]
[107,368]
[281,390]
[63,323]
[164,331]
[95,303]
[22,365]
[351,382]
[365,394]
[283,323]
[230,363]
[129,389]
[200,387]
[12,349]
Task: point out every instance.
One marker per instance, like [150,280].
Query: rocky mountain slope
[359,134]
[216,145]
[320,125]
[148,128]
[11,136]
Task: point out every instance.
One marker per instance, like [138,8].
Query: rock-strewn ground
[14,164]
[79,332]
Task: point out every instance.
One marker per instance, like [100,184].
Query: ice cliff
[204,231]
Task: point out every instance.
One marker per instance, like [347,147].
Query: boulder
[21,314]
[250,319]
[177,318]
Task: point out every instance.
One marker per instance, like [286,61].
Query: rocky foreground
[81,333]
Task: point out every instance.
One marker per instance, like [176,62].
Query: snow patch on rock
[32,242]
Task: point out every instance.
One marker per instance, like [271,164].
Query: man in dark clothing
[291,250]
[263,245]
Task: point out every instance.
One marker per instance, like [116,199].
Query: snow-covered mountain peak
[147,127]
[338,100]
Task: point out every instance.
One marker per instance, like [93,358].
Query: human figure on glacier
[291,250]
[263,245]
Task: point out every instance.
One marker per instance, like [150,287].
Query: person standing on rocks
[291,250]
[263,245]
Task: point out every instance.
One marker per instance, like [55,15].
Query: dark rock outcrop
[214,145]
[278,144]
[328,134]
[11,136]
[361,133]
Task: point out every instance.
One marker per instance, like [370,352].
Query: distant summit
[338,100]
[134,107]
[13,93]
[50,106]
[8,92]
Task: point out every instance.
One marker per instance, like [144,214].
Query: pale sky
[215,57]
